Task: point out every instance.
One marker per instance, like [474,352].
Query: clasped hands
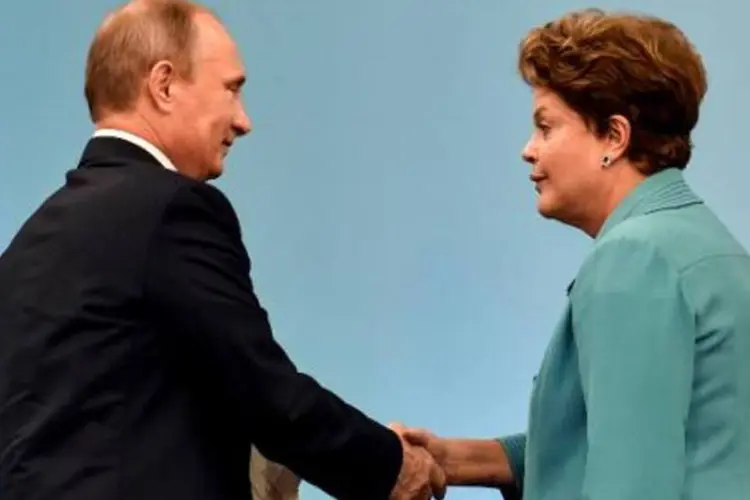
[422,475]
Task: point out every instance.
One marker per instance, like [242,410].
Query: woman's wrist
[474,462]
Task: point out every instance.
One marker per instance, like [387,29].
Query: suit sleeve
[515,449]
[635,334]
[198,279]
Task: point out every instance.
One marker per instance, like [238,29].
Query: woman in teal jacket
[644,390]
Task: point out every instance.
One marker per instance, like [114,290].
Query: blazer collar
[663,190]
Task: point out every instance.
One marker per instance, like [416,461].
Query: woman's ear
[618,136]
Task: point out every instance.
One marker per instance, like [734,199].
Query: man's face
[208,113]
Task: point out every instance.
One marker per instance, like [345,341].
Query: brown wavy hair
[641,67]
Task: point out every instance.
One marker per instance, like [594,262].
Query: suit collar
[663,190]
[113,152]
[109,148]
[140,142]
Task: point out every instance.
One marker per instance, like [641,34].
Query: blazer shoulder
[683,236]
[624,262]
[649,228]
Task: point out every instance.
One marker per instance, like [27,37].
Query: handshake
[422,475]
[430,464]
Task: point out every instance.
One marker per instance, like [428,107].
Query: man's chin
[215,172]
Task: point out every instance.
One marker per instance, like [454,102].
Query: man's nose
[242,123]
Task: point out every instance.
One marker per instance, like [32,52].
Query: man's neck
[132,123]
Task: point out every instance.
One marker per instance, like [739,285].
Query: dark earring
[606,161]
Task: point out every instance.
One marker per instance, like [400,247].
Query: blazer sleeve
[198,281]
[515,450]
[635,334]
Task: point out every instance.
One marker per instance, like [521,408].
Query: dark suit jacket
[136,362]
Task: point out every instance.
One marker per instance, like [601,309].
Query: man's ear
[160,81]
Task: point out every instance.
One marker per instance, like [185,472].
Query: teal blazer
[644,390]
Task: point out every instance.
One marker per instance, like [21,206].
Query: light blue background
[383,199]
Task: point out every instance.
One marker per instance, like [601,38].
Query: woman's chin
[546,205]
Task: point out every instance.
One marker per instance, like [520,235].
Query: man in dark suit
[135,359]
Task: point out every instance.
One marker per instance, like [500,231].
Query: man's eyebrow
[538,114]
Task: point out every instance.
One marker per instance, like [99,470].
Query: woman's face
[566,163]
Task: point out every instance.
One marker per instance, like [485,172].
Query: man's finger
[437,482]
[397,427]
[418,437]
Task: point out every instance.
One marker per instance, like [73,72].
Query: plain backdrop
[389,217]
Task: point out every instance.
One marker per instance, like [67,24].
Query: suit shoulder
[202,195]
[195,204]
[145,188]
[199,197]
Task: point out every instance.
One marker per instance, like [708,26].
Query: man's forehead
[215,45]
[212,35]
[228,64]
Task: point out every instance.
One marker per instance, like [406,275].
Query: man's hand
[421,478]
[270,480]
[434,445]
